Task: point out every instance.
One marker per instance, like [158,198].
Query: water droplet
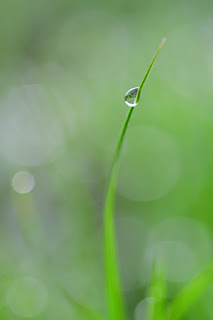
[130,97]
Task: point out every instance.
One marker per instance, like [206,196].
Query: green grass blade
[114,292]
[190,294]
[113,286]
[157,309]
[148,70]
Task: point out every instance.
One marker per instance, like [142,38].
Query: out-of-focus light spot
[23,182]
[142,309]
[185,245]
[150,165]
[179,259]
[26,297]
[30,129]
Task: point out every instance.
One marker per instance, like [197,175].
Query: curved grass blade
[191,293]
[113,286]
[148,70]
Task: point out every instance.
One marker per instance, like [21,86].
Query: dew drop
[130,97]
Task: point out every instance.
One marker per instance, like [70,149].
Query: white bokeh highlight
[23,182]
[31,132]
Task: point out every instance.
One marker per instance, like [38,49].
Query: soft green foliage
[65,68]
[190,294]
[84,311]
[114,291]
[157,309]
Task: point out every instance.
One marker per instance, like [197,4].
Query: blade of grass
[157,309]
[113,286]
[148,70]
[191,293]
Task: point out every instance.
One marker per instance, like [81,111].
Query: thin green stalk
[157,309]
[113,285]
[148,70]
[191,293]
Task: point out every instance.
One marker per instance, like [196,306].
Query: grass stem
[113,285]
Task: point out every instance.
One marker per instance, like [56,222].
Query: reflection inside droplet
[130,97]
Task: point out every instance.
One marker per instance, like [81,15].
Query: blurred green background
[64,70]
